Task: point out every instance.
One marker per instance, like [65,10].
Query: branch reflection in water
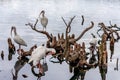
[18,66]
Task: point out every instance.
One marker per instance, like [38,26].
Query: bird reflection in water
[18,66]
[21,62]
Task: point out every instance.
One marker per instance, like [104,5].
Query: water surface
[19,12]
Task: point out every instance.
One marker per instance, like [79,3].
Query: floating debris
[24,75]
[2,55]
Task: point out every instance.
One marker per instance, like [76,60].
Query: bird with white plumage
[17,38]
[94,40]
[40,53]
[43,19]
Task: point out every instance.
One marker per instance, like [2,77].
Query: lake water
[19,12]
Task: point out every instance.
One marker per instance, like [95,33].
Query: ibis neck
[43,15]
[15,32]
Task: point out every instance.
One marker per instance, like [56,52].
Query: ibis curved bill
[39,53]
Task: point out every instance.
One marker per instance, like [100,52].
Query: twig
[33,27]
[92,24]
[82,20]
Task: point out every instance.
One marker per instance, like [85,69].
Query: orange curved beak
[52,53]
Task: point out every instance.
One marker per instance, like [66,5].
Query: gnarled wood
[109,31]
[92,24]
[68,29]
[33,27]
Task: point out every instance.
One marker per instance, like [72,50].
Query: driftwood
[80,36]
[29,52]
[114,26]
[33,27]
[108,30]
[82,23]
[68,29]
[62,41]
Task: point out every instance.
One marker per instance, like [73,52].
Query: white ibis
[17,38]
[39,53]
[94,40]
[43,19]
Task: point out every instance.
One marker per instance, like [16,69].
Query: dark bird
[43,19]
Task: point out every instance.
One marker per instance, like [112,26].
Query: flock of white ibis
[19,40]
[39,52]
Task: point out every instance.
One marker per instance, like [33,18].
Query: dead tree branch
[68,25]
[114,26]
[92,24]
[33,27]
[68,29]
[110,30]
[82,20]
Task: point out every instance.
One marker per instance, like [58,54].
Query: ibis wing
[19,40]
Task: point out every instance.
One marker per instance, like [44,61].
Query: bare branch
[35,23]
[98,32]
[114,26]
[105,29]
[82,20]
[92,24]
[71,21]
[64,21]
[33,27]
[68,26]
[68,29]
